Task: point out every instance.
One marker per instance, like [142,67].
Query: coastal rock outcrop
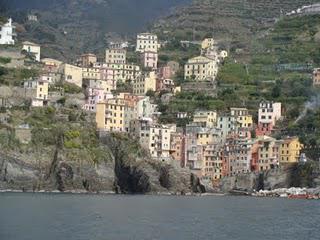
[296,175]
[18,174]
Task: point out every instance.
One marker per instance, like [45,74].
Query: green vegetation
[16,76]
[123,87]
[233,73]
[174,51]
[8,140]
[187,102]
[233,22]
[279,67]
[71,88]
[78,137]
[3,19]
[5,60]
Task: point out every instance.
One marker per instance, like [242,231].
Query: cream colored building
[268,153]
[200,69]
[206,136]
[115,114]
[72,74]
[149,59]
[147,42]
[159,141]
[116,55]
[51,62]
[123,72]
[51,68]
[145,83]
[33,49]
[144,108]
[91,73]
[205,118]
[87,60]
[40,92]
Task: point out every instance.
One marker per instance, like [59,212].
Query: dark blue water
[92,217]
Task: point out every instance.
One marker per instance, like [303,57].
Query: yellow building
[289,150]
[110,115]
[207,137]
[143,84]
[42,90]
[114,115]
[205,118]
[71,74]
[200,69]
[242,116]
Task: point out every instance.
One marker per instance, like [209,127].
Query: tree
[150,93]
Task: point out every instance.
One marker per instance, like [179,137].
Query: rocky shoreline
[289,193]
[122,175]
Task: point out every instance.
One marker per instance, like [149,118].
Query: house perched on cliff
[7,33]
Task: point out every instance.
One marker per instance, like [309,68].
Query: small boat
[298,196]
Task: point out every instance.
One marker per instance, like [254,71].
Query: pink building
[269,114]
[150,59]
[108,75]
[94,96]
[165,72]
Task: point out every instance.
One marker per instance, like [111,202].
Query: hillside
[277,67]
[233,22]
[69,28]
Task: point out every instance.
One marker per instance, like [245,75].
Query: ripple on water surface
[104,217]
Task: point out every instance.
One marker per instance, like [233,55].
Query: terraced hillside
[231,21]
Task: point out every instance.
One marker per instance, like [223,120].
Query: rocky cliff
[55,170]
[298,175]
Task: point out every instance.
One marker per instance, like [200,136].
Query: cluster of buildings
[205,66]
[99,79]
[214,145]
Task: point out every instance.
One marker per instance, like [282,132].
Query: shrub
[71,88]
[5,60]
